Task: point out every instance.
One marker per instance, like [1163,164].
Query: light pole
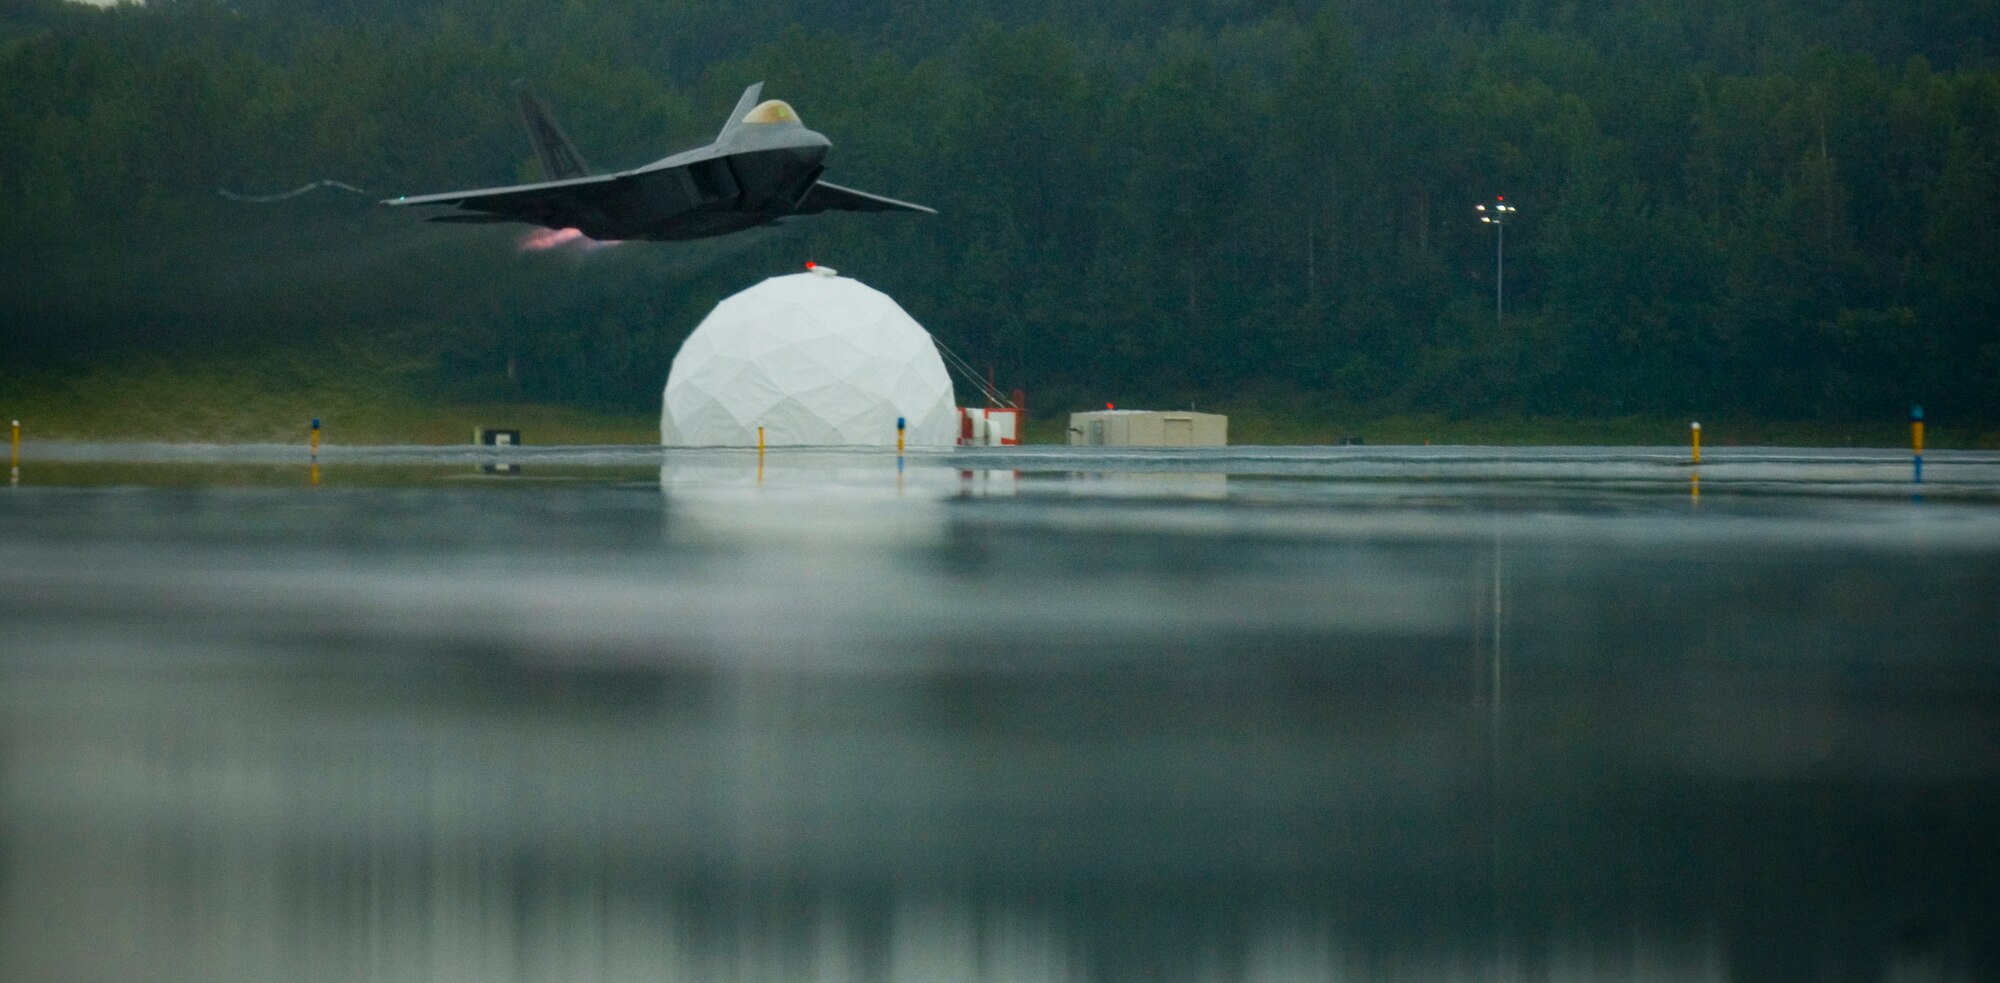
[1497,215]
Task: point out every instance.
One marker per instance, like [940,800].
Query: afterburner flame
[545,239]
[541,239]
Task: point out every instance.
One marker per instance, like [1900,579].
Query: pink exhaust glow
[545,239]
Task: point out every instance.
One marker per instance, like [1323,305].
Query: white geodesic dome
[813,358]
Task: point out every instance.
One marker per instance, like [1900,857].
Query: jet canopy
[772,111]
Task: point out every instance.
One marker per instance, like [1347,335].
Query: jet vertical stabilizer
[744,104]
[559,157]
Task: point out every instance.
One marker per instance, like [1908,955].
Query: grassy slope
[361,405]
[223,405]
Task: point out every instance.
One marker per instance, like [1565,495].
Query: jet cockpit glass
[772,111]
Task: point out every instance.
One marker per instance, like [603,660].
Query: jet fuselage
[765,166]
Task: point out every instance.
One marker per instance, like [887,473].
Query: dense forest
[1781,208]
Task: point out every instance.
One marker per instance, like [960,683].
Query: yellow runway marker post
[1694,480]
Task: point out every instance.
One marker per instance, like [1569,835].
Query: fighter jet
[764,167]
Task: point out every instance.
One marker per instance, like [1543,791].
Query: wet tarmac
[1015,714]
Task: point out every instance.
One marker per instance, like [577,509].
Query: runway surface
[1014,714]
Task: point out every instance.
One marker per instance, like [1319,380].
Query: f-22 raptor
[765,166]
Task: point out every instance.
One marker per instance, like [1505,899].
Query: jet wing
[518,199]
[824,197]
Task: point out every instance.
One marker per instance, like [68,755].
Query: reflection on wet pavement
[1276,714]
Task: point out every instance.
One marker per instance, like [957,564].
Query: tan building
[1148,428]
